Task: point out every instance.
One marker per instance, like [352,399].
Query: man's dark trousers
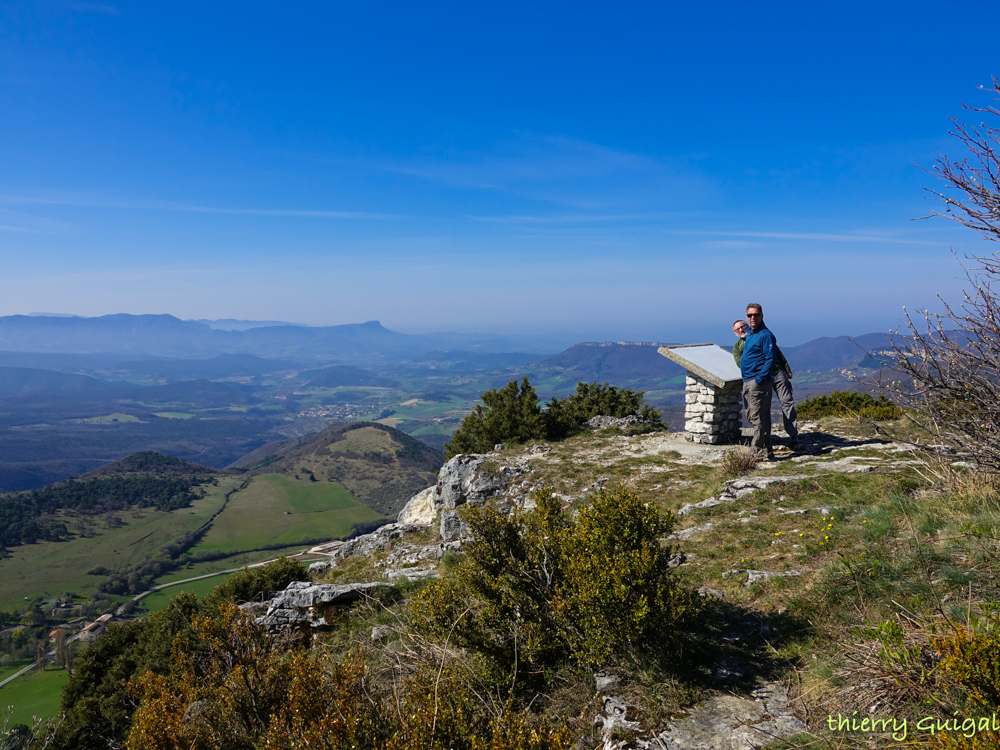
[757,397]
[783,390]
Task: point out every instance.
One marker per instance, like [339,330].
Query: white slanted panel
[707,361]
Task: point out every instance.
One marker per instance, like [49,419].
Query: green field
[417,409]
[174,414]
[280,509]
[159,599]
[34,694]
[52,568]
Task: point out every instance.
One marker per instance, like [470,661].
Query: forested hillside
[144,480]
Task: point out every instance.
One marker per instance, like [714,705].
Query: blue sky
[628,171]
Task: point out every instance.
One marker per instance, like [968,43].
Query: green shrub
[566,416]
[538,588]
[240,689]
[254,584]
[970,663]
[510,414]
[849,404]
[513,415]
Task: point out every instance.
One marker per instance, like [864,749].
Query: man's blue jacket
[758,355]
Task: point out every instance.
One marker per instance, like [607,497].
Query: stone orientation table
[713,392]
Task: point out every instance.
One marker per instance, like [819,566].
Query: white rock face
[421,509]
[381,538]
[294,607]
[459,481]
[729,722]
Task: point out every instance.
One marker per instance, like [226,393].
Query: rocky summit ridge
[747,701]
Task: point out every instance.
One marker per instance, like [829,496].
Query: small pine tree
[566,416]
[508,415]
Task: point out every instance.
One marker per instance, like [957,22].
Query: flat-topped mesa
[712,393]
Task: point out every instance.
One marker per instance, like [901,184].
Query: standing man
[782,378]
[757,365]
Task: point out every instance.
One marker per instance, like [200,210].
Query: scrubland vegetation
[513,414]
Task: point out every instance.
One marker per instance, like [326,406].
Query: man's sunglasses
[753,315]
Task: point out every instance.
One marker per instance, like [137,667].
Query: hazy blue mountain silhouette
[167,336]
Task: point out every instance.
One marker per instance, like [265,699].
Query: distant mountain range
[107,341]
[822,354]
[639,364]
[15,380]
[167,336]
[231,324]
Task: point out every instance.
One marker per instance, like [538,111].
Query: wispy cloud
[91,202]
[525,159]
[575,174]
[812,236]
[4,228]
[580,218]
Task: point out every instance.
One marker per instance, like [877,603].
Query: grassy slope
[34,694]
[52,568]
[277,508]
[158,600]
[378,467]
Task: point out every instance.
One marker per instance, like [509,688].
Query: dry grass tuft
[738,462]
[887,671]
[971,488]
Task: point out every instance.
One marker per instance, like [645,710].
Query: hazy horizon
[566,337]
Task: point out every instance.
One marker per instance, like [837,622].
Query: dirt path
[139,597]
[33,665]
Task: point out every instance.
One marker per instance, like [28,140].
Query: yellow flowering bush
[240,690]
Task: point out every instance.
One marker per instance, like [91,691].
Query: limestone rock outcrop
[721,722]
[420,509]
[461,481]
[301,604]
[379,539]
[730,722]
[600,422]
